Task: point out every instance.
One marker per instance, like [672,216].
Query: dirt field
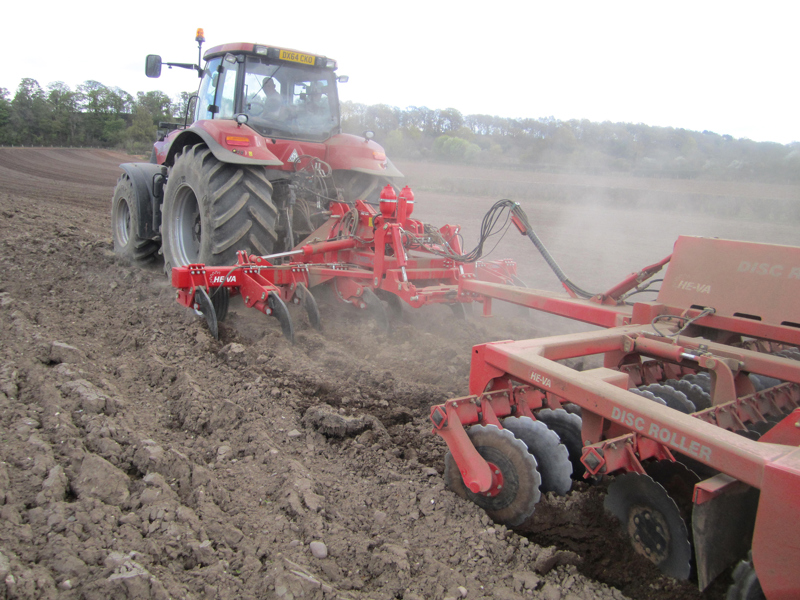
[143,459]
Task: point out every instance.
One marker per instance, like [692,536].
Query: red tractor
[257,168]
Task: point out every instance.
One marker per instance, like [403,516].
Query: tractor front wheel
[213,209]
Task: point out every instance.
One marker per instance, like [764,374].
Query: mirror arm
[181,65]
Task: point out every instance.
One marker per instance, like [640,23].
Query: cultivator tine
[458,311]
[207,309]
[376,309]
[310,305]
[653,522]
[280,312]
[395,303]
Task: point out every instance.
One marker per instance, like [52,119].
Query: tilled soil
[141,458]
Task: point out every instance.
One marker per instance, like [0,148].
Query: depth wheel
[213,209]
[514,503]
[653,522]
[125,224]
[745,584]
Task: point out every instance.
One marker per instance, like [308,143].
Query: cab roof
[272,52]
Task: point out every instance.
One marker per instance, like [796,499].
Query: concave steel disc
[653,522]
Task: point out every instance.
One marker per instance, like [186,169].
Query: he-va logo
[222,279]
[293,156]
[539,379]
[691,286]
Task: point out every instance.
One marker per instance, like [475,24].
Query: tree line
[91,115]
[97,115]
[574,145]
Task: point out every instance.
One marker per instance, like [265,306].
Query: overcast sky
[728,67]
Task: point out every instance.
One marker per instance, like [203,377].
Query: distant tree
[5,117]
[142,132]
[180,104]
[448,121]
[64,117]
[29,113]
[103,108]
[156,104]
[455,149]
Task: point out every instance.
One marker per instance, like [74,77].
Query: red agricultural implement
[361,254]
[693,415]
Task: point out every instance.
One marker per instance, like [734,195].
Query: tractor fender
[354,153]
[148,184]
[211,133]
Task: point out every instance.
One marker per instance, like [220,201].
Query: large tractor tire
[125,225]
[214,209]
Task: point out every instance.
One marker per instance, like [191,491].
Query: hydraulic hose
[531,234]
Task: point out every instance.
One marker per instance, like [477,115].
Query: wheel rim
[123,222]
[187,227]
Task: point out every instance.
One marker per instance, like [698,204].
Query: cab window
[218,89]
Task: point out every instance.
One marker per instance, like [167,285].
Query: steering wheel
[255,107]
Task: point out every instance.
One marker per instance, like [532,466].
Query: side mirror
[343,78]
[152,65]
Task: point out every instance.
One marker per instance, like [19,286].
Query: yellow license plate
[305,59]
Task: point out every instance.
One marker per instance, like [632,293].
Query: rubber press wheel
[514,503]
[213,209]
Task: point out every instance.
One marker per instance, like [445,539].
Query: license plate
[305,59]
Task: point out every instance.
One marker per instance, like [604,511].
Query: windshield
[287,101]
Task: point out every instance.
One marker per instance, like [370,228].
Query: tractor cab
[281,93]
[254,167]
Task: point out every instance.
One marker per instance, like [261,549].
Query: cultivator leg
[276,308]
[263,286]
[376,310]
[206,308]
[304,297]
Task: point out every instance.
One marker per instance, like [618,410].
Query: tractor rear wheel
[125,225]
[213,209]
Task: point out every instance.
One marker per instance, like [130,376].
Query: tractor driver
[272,102]
[315,105]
